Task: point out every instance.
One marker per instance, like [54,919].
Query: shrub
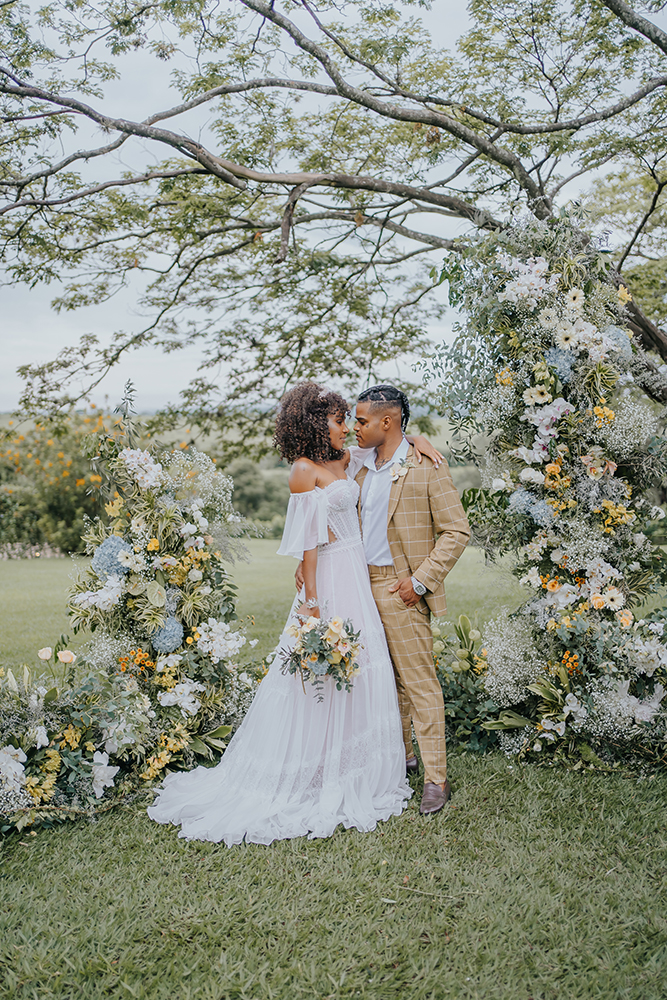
[48,488]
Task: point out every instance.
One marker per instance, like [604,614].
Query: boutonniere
[400,469]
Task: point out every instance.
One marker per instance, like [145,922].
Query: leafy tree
[340,151]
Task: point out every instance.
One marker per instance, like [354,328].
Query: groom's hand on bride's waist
[298,576]
[405,591]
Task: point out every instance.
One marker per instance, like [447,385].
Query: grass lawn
[32,607]
[32,597]
[534,884]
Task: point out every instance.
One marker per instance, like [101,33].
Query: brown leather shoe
[434,798]
[412,767]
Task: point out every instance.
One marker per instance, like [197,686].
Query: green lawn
[535,884]
[32,597]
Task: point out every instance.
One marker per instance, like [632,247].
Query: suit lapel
[397,488]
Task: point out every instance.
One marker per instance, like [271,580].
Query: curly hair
[302,429]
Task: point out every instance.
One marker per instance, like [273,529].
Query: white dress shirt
[375,507]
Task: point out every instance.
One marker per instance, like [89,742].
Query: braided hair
[302,428]
[383,396]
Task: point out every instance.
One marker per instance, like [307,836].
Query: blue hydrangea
[561,362]
[620,340]
[542,513]
[523,502]
[105,558]
[169,637]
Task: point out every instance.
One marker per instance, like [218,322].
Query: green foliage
[260,493]
[460,670]
[630,205]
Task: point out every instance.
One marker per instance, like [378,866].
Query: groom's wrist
[418,587]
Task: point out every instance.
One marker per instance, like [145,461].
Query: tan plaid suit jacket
[427,531]
[426,527]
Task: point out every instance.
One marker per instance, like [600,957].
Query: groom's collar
[398,456]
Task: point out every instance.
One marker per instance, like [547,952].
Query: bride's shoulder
[303,477]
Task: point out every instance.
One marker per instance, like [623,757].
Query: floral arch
[545,389]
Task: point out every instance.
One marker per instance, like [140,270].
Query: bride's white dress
[297,766]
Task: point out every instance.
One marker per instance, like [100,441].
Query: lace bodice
[341,498]
[311,515]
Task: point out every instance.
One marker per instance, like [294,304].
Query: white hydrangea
[218,640]
[184,696]
[105,598]
[147,472]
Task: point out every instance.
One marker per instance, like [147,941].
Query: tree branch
[638,23]
[426,116]
[660,185]
[86,192]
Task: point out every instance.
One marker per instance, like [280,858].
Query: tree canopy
[291,211]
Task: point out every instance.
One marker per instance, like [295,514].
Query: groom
[414,530]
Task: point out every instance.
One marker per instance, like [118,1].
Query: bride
[297,766]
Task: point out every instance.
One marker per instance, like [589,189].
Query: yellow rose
[66,656]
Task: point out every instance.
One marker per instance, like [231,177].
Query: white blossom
[103,774]
[105,598]
[531,476]
[183,695]
[575,708]
[147,472]
[218,640]
[11,766]
[532,577]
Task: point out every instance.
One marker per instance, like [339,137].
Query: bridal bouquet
[324,648]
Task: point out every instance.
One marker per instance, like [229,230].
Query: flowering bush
[162,688]
[546,374]
[47,486]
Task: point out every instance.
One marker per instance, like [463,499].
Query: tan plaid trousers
[420,700]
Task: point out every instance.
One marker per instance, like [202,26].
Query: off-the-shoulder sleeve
[357,458]
[305,524]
